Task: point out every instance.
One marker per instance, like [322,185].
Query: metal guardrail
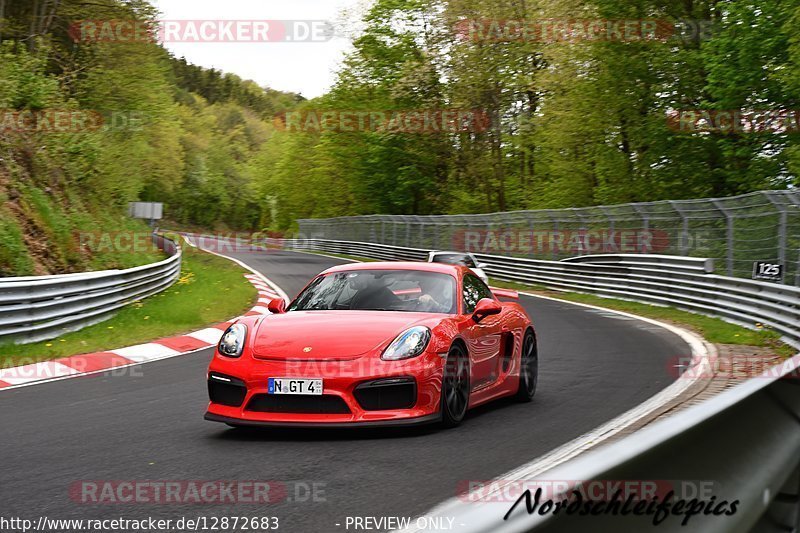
[34,309]
[746,441]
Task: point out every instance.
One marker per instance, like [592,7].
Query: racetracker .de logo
[502,490]
[565,30]
[601,240]
[735,121]
[425,121]
[161,492]
[201,31]
[69,121]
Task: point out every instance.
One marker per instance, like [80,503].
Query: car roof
[437,252]
[400,265]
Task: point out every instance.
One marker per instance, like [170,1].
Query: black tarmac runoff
[146,423]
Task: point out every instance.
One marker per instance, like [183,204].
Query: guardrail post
[581,229]
[552,234]
[611,227]
[645,223]
[683,238]
[729,220]
[532,227]
[782,229]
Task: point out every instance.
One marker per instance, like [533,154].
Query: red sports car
[375,344]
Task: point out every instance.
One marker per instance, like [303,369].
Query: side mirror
[486,307]
[277,306]
[481,265]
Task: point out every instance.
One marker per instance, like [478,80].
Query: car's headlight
[232,342]
[410,343]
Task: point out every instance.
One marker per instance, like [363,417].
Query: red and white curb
[93,363]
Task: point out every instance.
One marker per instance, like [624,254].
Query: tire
[528,368]
[455,387]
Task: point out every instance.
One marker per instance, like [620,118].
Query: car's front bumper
[341,404]
[400,422]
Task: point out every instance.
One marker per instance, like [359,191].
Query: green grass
[14,256]
[712,329]
[210,290]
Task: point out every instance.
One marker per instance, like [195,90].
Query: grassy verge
[210,290]
[712,329]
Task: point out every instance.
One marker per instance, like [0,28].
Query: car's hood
[315,335]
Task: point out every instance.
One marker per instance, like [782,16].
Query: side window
[474,291]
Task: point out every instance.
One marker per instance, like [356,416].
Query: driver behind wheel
[436,296]
[371,294]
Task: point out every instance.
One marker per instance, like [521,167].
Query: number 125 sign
[767,271]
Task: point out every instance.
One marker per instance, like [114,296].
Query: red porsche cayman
[375,344]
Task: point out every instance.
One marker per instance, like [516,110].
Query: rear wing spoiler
[504,293]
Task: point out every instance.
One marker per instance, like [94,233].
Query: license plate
[308,387]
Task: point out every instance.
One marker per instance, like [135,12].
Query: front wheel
[528,368]
[455,387]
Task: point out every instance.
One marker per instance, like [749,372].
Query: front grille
[325,404]
[383,394]
[226,390]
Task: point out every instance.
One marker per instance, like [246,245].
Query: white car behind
[460,258]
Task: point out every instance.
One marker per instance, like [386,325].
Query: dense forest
[563,120]
[574,121]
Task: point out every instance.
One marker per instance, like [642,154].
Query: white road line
[30,373]
[261,276]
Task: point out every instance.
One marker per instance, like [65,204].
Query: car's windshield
[380,290]
[454,259]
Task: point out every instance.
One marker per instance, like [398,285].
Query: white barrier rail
[34,309]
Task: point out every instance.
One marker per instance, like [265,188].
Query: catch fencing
[735,231]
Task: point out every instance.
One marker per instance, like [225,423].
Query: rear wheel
[528,369]
[455,387]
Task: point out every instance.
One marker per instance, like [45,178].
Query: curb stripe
[183,344]
[209,336]
[145,352]
[94,361]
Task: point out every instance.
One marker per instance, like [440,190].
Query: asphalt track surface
[146,423]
